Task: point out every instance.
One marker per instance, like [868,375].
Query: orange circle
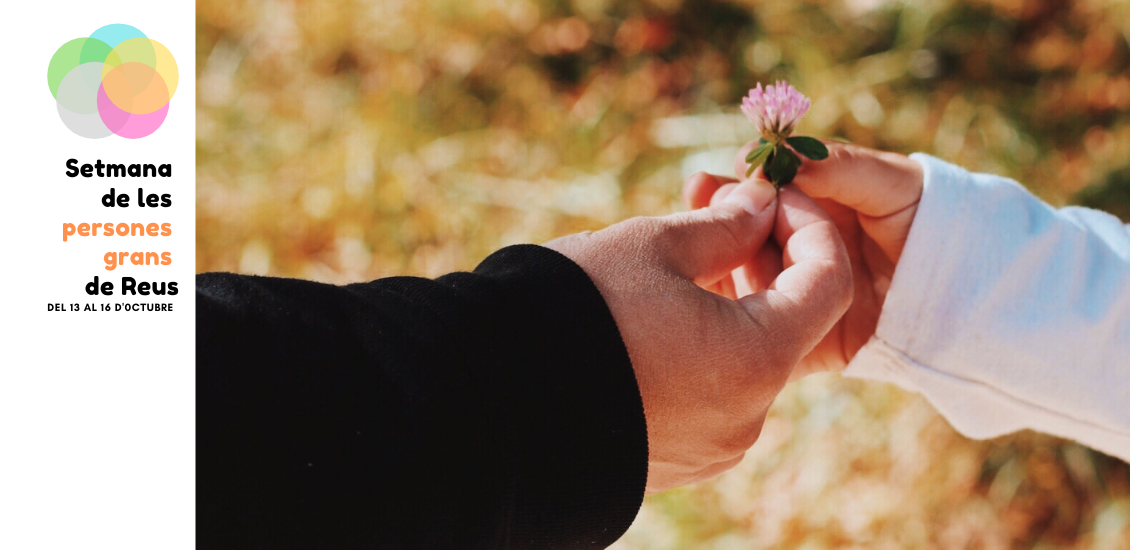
[135,88]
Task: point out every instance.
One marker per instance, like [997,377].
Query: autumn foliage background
[349,140]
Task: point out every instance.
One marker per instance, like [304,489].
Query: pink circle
[126,124]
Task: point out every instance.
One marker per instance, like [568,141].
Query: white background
[97,410]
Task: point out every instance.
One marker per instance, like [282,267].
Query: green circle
[71,55]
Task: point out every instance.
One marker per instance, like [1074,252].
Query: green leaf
[783,167]
[766,169]
[762,141]
[809,147]
[757,155]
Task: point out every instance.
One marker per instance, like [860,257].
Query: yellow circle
[147,52]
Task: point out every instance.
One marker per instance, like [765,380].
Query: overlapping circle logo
[116,81]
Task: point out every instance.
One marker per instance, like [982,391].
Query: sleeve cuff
[570,411]
[976,410]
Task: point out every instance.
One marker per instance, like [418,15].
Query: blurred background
[354,139]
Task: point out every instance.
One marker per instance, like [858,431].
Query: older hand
[709,366]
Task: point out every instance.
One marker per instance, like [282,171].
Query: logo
[116,81]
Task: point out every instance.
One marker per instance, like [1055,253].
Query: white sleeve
[1008,314]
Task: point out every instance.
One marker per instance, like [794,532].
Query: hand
[708,367]
[872,196]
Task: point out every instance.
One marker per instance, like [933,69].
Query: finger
[815,287]
[722,287]
[874,183]
[726,288]
[700,187]
[756,274]
[720,195]
[847,222]
[842,216]
[760,272]
[706,244]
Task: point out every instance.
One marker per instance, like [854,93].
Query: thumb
[815,288]
[706,244]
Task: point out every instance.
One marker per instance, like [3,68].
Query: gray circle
[78,91]
[77,101]
[86,125]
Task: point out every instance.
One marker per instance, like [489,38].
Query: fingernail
[754,195]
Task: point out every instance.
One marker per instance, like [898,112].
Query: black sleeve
[493,409]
